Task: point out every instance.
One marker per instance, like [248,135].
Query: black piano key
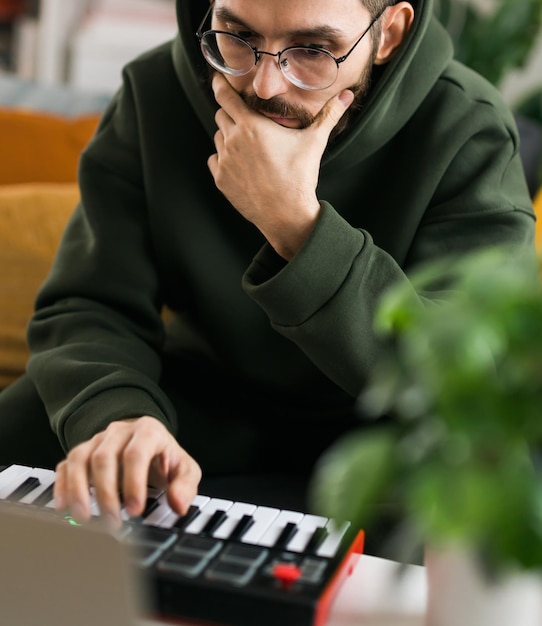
[246,522]
[3,467]
[286,535]
[45,497]
[214,522]
[150,505]
[318,537]
[191,514]
[24,489]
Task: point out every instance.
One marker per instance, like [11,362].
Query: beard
[278,107]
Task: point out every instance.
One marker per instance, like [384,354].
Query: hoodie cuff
[292,293]
[108,406]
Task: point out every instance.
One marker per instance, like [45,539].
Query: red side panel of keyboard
[343,571]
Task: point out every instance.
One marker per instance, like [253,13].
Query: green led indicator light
[71,521]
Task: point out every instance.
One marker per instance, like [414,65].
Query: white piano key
[273,532]
[171,519]
[332,542]
[160,512]
[214,504]
[46,478]
[235,513]
[263,518]
[95,508]
[305,530]
[11,478]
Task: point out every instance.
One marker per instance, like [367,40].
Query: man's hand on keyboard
[126,458]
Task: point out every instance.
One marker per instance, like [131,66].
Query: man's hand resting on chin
[269,172]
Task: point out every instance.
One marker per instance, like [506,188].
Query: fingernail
[132,507]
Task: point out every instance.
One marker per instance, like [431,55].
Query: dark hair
[376,6]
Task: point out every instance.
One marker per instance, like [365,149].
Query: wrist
[287,239]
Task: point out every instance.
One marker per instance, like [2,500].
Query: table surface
[378,593]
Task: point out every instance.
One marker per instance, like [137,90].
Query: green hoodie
[429,167]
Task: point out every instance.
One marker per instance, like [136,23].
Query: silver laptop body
[56,573]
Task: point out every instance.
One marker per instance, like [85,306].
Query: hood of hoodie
[402,86]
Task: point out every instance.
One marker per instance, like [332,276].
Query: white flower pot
[460,594]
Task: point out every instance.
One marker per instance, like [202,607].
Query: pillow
[40,147]
[32,219]
[538,212]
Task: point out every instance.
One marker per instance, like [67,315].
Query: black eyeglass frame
[258,53]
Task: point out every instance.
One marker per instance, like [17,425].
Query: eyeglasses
[308,67]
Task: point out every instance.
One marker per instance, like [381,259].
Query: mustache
[277,107]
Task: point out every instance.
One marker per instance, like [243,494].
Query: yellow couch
[42,147]
[38,192]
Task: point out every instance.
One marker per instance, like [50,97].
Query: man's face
[277,24]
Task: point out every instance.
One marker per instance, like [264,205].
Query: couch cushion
[41,147]
[32,219]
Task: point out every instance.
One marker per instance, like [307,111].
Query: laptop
[54,572]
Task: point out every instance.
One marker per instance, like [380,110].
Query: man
[268,204]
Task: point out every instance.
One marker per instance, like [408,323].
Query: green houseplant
[463,381]
[492,37]
[495,37]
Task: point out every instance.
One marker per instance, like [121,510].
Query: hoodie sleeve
[325,298]
[97,330]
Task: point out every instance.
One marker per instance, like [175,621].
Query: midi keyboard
[224,562]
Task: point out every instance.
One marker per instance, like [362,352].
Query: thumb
[334,109]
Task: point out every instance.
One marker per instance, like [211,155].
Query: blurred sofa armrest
[43,131]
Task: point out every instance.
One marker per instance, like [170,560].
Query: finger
[219,140]
[77,484]
[228,98]
[332,112]
[105,469]
[223,120]
[212,164]
[60,486]
[148,441]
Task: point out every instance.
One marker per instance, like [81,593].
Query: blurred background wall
[83,43]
